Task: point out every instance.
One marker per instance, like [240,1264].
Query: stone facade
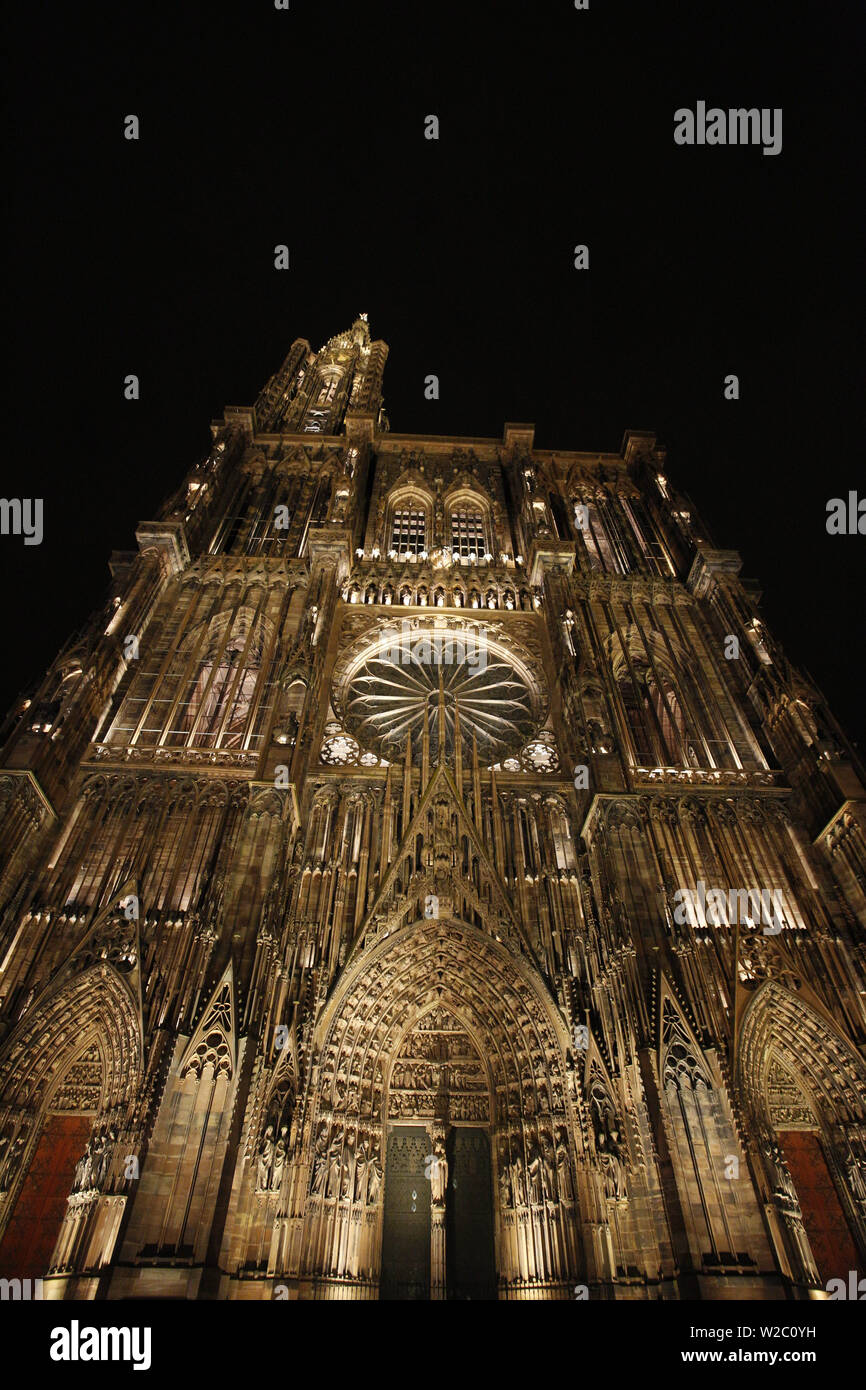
[384,889]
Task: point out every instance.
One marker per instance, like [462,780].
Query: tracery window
[409,530]
[608,542]
[655,715]
[221,696]
[468,536]
[651,699]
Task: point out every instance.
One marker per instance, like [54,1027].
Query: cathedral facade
[427,878]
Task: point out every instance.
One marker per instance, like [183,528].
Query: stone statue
[279,1160]
[374,1180]
[438,1174]
[548,1169]
[783,1185]
[856,1171]
[106,1152]
[614,1176]
[563,1169]
[534,1174]
[362,1161]
[320,1161]
[81,1180]
[334,1166]
[266,1158]
[518,1182]
[347,1170]
[505,1185]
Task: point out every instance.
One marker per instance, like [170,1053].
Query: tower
[427,878]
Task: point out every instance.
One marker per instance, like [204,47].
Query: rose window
[338,750]
[540,756]
[383,688]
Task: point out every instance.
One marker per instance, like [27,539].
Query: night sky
[306,127]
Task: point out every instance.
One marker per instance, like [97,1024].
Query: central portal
[437,1238]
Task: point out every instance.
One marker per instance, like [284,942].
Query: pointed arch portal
[74,1057]
[441,1064]
[805,1085]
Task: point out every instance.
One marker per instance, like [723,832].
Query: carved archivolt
[782,1036]
[95,1006]
[77,1047]
[456,966]
[778,1021]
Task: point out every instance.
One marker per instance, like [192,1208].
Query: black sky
[261,127]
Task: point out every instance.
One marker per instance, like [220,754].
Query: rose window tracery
[540,755]
[339,750]
[385,684]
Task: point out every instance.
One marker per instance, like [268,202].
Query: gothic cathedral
[427,878]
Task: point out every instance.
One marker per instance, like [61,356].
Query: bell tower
[317,392]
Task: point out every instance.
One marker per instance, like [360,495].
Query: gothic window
[339,750]
[656,718]
[666,707]
[379,699]
[646,536]
[560,516]
[594,523]
[221,695]
[468,536]
[327,391]
[635,713]
[652,699]
[541,755]
[289,710]
[682,1067]
[409,530]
